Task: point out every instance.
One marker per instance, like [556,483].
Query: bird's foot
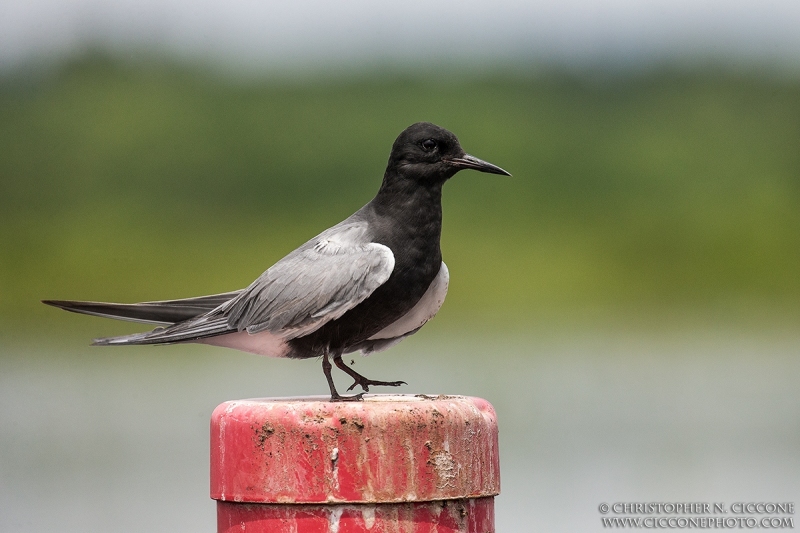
[358,379]
[354,398]
[365,383]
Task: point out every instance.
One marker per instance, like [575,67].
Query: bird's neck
[411,209]
[404,198]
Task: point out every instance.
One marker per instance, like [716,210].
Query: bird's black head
[430,154]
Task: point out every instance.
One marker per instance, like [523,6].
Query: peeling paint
[335,463]
[445,468]
[334,516]
[368,516]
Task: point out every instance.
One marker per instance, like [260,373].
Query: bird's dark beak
[468,161]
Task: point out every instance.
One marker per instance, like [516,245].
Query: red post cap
[360,463]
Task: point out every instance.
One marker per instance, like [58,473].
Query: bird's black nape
[428,153]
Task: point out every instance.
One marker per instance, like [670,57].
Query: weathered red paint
[389,463]
[444,516]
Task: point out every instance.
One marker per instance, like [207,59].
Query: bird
[364,284]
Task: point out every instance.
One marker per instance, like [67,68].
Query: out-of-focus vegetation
[660,191]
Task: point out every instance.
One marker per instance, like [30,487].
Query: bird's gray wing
[317,283]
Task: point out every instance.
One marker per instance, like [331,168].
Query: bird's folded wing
[315,284]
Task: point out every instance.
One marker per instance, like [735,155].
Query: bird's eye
[428,145]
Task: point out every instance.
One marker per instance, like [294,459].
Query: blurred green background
[628,300]
[660,196]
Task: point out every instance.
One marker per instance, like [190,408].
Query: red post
[390,463]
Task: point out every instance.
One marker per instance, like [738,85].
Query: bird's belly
[425,309]
[263,343]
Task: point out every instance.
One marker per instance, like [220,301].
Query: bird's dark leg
[335,396]
[360,380]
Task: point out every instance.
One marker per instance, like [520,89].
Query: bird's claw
[354,398]
[365,384]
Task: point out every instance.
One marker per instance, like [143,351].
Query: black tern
[363,285]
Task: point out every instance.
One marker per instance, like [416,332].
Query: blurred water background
[628,301]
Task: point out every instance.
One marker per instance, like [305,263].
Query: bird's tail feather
[161,312]
[192,330]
